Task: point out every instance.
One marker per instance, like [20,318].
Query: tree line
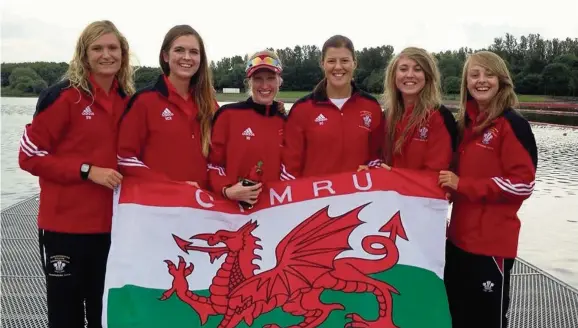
[538,67]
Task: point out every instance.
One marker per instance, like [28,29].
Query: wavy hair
[504,98]
[201,83]
[79,68]
[429,97]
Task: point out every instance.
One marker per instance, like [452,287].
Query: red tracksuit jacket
[496,170]
[160,136]
[321,139]
[430,146]
[68,129]
[243,134]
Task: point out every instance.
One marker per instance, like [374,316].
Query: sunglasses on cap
[263,61]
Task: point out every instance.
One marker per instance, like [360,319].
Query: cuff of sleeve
[72,169]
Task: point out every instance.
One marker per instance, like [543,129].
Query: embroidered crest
[423,131]
[366,119]
[59,265]
[487,137]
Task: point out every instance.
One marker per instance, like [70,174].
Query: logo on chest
[488,138]
[167,114]
[248,133]
[87,113]
[321,119]
[365,119]
[421,134]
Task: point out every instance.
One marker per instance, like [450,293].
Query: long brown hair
[202,81]
[505,98]
[429,98]
[336,41]
[79,68]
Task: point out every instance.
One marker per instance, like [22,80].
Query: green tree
[557,79]
[451,85]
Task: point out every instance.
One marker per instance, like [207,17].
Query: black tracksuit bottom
[478,288]
[75,267]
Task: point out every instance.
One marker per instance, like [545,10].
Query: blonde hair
[505,98]
[79,68]
[429,97]
[202,82]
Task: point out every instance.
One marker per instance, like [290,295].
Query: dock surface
[538,299]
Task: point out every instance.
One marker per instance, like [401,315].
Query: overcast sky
[39,30]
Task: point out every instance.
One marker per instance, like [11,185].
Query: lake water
[549,236]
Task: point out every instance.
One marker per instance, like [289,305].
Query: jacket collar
[320,94]
[473,113]
[265,110]
[161,86]
[93,86]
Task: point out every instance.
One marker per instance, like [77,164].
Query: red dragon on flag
[306,266]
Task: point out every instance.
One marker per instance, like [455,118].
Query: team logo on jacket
[487,138]
[321,119]
[167,114]
[87,113]
[248,133]
[365,119]
[423,131]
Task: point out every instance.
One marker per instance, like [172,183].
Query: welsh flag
[352,250]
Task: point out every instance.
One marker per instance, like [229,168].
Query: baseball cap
[263,60]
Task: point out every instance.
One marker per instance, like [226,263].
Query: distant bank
[534,102]
[536,108]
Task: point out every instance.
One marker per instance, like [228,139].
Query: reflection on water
[549,236]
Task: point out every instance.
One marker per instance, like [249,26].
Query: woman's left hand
[448,179]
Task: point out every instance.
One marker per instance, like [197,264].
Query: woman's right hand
[104,176]
[248,194]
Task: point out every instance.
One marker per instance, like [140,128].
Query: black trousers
[75,267]
[478,288]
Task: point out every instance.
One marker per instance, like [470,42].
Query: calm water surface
[549,236]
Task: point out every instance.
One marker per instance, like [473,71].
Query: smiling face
[183,57]
[264,86]
[409,77]
[104,55]
[482,84]
[338,66]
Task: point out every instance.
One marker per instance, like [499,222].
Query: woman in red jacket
[420,133]
[336,128]
[71,146]
[247,136]
[165,132]
[495,172]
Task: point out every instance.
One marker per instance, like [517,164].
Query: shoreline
[544,112]
[546,107]
[552,105]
